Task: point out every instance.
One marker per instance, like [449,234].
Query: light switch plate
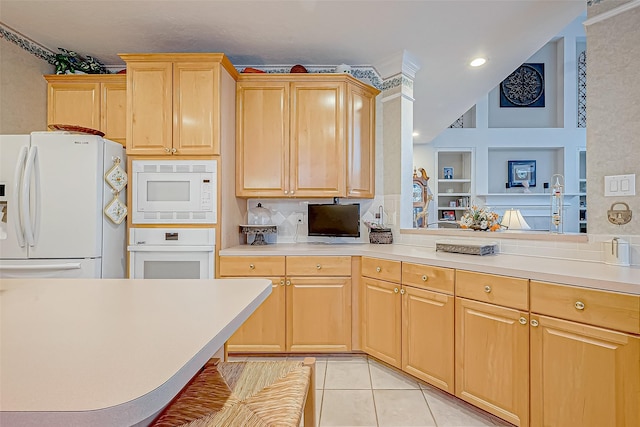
[620,185]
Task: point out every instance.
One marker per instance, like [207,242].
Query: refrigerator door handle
[15,206]
[39,267]
[29,226]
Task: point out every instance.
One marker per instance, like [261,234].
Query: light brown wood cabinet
[381,322]
[428,324]
[95,101]
[409,325]
[309,309]
[581,374]
[174,102]
[304,136]
[492,344]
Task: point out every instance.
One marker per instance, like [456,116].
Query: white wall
[23,90]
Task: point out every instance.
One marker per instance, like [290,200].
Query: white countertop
[108,351]
[579,273]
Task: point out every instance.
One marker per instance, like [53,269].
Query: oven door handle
[169,248]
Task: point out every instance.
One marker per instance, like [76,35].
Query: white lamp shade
[513,220]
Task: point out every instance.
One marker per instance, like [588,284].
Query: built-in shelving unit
[582,188]
[454,189]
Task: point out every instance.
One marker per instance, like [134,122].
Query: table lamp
[513,220]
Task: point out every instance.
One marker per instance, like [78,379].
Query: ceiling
[441,36]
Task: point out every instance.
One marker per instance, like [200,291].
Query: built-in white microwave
[173,191]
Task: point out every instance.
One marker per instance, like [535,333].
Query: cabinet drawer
[428,277]
[600,308]
[382,269]
[501,290]
[251,266]
[319,266]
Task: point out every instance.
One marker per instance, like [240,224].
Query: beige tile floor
[360,391]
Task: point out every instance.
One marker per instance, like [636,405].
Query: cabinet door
[149,107]
[583,375]
[196,108]
[381,320]
[74,103]
[318,314]
[113,111]
[264,330]
[262,132]
[492,359]
[427,336]
[361,109]
[318,153]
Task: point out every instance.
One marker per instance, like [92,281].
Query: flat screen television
[334,220]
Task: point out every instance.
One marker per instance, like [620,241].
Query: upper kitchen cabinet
[174,102]
[95,101]
[304,136]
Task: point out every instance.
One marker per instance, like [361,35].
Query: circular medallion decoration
[524,87]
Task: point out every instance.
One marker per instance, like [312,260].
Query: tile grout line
[433,417]
[373,396]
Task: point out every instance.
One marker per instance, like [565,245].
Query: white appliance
[171,253]
[174,191]
[53,193]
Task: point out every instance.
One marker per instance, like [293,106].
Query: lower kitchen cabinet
[381,320]
[319,314]
[585,357]
[309,313]
[492,359]
[583,375]
[410,327]
[264,331]
[427,336]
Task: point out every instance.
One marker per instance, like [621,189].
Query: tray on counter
[469,248]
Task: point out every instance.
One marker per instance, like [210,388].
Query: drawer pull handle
[425,278]
[252,267]
[523,321]
[402,291]
[288,283]
[534,322]
[282,282]
[579,305]
[167,150]
[378,269]
[487,289]
[318,267]
[395,290]
[174,150]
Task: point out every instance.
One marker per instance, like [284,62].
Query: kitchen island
[109,351]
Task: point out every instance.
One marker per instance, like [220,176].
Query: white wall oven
[174,191]
[171,253]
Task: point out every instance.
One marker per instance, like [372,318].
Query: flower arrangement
[477,218]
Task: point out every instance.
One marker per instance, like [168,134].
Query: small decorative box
[470,248]
[380,235]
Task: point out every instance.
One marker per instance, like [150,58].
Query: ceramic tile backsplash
[286,212]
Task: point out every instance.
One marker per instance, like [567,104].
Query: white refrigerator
[52,196]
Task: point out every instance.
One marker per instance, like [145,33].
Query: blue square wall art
[524,87]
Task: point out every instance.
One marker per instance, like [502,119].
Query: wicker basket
[381,236]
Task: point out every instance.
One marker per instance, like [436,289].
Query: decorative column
[394,158]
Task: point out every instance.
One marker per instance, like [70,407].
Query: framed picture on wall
[521,172]
[447,172]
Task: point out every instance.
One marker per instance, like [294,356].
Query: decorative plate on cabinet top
[78,129]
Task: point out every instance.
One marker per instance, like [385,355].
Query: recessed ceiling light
[478,62]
